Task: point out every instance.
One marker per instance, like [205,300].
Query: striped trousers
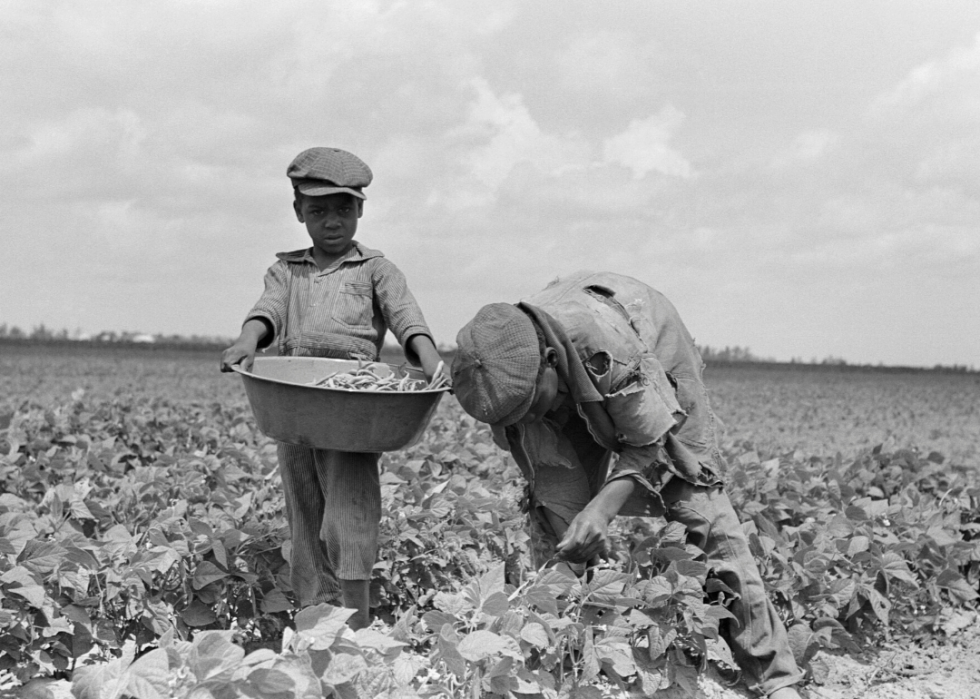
[333,506]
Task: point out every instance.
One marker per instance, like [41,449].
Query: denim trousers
[758,638]
[333,506]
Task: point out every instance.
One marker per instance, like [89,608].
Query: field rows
[142,530]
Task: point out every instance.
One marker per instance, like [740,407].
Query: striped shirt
[343,311]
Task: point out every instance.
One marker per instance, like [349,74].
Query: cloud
[510,142]
[937,80]
[807,148]
[928,121]
[81,150]
[599,61]
[643,146]
[500,134]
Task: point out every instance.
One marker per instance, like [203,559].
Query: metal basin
[332,418]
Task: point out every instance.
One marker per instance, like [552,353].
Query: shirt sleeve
[642,464]
[399,308]
[645,413]
[271,306]
[650,466]
[642,404]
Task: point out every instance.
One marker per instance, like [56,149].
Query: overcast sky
[799,178]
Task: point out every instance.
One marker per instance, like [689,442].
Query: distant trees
[728,354]
[42,333]
[955,368]
[12,331]
[744,354]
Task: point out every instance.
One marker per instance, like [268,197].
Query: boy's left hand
[428,355]
[434,370]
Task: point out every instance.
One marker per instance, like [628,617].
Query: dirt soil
[947,669]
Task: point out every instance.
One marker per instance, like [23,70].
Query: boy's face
[545,391]
[331,221]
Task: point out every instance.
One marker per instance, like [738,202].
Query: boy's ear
[360,207]
[299,210]
[551,357]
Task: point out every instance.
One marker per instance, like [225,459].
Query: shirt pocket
[355,304]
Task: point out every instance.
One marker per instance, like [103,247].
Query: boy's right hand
[242,352]
[238,354]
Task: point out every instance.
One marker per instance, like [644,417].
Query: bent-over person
[594,386]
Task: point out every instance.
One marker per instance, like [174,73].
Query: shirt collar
[357,252]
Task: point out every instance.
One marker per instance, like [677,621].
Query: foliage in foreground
[141,553]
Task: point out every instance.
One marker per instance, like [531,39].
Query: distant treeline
[727,357]
[89,346]
[729,354]
[41,333]
[742,355]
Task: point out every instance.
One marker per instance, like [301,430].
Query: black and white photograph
[529,349]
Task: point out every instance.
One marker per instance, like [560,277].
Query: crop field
[142,530]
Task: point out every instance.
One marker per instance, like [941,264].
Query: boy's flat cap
[320,171]
[495,369]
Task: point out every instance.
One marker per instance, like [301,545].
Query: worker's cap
[320,171]
[495,369]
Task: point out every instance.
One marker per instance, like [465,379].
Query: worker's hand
[432,365]
[435,368]
[240,353]
[587,536]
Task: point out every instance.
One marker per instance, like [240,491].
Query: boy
[598,364]
[335,299]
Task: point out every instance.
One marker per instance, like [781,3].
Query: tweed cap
[320,171]
[496,366]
